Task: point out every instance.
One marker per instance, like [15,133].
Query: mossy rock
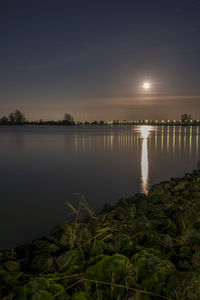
[41,263]
[2,270]
[42,289]
[196,223]
[180,186]
[109,269]
[81,296]
[65,236]
[13,279]
[184,252]
[97,248]
[189,289]
[73,270]
[66,260]
[139,296]
[191,237]
[44,246]
[159,194]
[154,273]
[12,265]
[107,265]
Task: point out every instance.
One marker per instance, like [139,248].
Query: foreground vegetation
[146,247]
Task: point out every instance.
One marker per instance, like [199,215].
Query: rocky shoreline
[145,247]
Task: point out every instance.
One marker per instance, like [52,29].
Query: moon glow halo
[146,85]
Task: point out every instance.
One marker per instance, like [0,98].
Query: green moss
[41,263]
[12,279]
[191,237]
[98,247]
[65,236]
[155,273]
[189,288]
[81,296]
[158,194]
[66,260]
[44,246]
[109,269]
[42,289]
[11,265]
[107,266]
[184,252]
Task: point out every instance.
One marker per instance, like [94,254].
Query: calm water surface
[42,168]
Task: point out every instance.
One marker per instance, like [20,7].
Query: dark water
[42,167]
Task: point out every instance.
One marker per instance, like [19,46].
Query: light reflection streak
[111,142]
[170,141]
[162,133]
[144,131]
[156,140]
[184,138]
[174,140]
[179,140]
[76,142]
[190,140]
[167,138]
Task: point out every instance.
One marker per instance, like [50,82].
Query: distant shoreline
[109,124]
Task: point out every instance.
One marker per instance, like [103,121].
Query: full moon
[146,85]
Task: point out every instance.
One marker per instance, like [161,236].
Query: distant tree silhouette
[11,118]
[94,122]
[4,120]
[68,119]
[16,117]
[19,117]
[186,117]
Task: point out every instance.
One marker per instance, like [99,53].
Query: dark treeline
[18,118]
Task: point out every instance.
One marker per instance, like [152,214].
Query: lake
[42,167]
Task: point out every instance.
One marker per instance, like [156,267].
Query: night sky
[90,58]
